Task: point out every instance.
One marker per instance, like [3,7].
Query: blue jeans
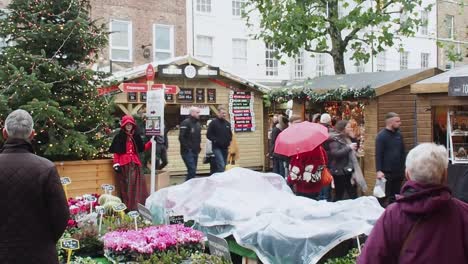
[190,159]
[325,193]
[220,159]
[279,167]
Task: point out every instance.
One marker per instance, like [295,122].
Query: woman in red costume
[126,146]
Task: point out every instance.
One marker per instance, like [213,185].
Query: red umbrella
[300,138]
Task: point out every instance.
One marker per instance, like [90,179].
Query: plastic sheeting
[262,214]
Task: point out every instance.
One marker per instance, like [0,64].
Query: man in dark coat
[190,140]
[390,156]
[34,208]
[220,134]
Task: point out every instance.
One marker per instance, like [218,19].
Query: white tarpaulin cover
[262,214]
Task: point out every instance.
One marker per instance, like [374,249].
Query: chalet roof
[439,83]
[140,71]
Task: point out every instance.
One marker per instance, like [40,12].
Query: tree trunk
[338,62]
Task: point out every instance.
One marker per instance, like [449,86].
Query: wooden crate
[163,180]
[87,176]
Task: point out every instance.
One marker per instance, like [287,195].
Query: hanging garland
[283,95]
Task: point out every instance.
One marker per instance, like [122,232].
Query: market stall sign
[458,86]
[149,73]
[168,88]
[241,111]
[176,219]
[204,109]
[132,96]
[200,95]
[211,96]
[108,90]
[145,212]
[154,112]
[185,95]
[187,71]
[219,247]
[134,87]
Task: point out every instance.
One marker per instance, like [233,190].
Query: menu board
[185,95]
[169,98]
[241,111]
[142,97]
[211,96]
[200,95]
[132,97]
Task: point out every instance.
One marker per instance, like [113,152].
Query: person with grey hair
[34,207]
[425,224]
[220,134]
[190,140]
[390,156]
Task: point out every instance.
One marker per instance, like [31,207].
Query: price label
[100,210]
[91,199]
[119,207]
[65,180]
[70,244]
[176,219]
[108,187]
[133,214]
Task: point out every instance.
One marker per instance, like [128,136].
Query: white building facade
[218,35]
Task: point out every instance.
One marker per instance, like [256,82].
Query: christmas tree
[46,70]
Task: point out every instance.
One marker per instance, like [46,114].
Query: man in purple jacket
[425,224]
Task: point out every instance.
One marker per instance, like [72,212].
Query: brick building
[452,33]
[142,31]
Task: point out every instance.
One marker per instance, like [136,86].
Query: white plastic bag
[379,188]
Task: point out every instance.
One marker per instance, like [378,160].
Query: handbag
[230,164]
[327,177]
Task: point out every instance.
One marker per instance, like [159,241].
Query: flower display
[151,240]
[79,205]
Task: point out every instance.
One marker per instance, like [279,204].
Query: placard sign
[241,111]
[458,86]
[211,96]
[65,180]
[185,95]
[132,97]
[219,247]
[185,109]
[119,207]
[70,244]
[143,97]
[133,214]
[169,98]
[155,112]
[145,212]
[200,93]
[176,219]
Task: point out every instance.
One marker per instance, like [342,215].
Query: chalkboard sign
[176,219]
[142,97]
[70,244]
[132,97]
[65,180]
[145,212]
[185,95]
[133,214]
[219,247]
[91,199]
[458,86]
[119,207]
[107,187]
[211,96]
[169,98]
[200,96]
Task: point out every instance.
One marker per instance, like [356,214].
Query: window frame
[360,67]
[451,34]
[270,52]
[381,61]
[197,47]
[198,6]
[299,67]
[234,9]
[320,65]
[130,41]
[236,58]
[425,60]
[171,41]
[424,29]
[404,60]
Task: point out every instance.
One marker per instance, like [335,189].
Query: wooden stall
[442,117]
[392,94]
[207,87]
